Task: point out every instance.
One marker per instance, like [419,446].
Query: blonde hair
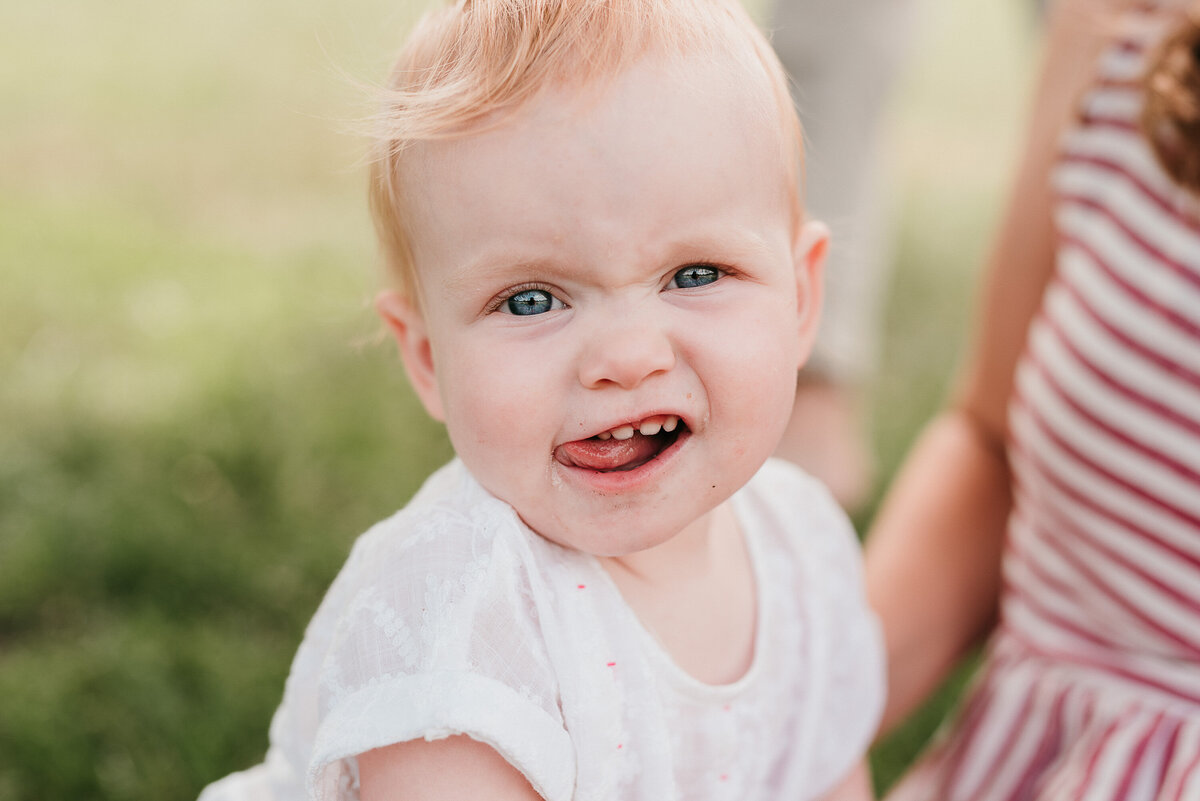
[467,65]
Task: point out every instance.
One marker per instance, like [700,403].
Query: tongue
[608,454]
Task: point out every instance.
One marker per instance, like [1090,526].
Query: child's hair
[1171,117]
[468,64]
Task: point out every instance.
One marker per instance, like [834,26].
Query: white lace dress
[452,617]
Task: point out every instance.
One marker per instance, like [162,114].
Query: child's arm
[856,787]
[442,770]
[933,557]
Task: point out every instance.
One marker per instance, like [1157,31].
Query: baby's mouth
[625,447]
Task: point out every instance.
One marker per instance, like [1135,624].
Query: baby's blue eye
[531,301]
[695,275]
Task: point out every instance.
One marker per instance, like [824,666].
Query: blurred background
[197,415]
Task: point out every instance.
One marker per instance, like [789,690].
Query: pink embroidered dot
[620,746]
[727,707]
[612,664]
[724,777]
[582,587]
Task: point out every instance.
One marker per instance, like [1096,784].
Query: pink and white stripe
[1091,689]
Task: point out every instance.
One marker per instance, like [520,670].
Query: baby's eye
[694,275]
[530,301]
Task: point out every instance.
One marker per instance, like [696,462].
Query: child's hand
[442,770]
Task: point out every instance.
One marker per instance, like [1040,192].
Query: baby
[604,286]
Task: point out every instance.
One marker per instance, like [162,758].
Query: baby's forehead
[663,154]
[581,112]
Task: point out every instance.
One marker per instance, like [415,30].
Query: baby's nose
[625,354]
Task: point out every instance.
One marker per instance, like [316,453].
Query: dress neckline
[657,654]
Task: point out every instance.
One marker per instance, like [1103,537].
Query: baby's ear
[407,325]
[809,250]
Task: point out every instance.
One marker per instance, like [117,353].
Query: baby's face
[615,302]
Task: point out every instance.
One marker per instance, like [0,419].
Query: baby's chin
[614,531]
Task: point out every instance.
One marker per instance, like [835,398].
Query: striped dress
[1091,685]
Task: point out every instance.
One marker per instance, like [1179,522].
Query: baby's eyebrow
[490,270]
[728,247]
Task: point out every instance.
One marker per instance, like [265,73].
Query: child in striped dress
[1056,505]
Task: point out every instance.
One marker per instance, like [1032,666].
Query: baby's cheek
[487,414]
[765,389]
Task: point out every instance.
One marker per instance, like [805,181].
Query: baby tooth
[622,432]
[649,428]
[604,435]
[670,423]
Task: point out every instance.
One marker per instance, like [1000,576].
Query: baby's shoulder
[433,628]
[781,478]
[797,509]
[419,577]
[452,530]
[450,576]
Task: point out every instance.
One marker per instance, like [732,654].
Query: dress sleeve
[439,638]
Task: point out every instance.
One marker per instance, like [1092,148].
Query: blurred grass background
[195,417]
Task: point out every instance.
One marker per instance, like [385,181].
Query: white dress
[452,617]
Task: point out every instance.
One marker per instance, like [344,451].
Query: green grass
[196,418]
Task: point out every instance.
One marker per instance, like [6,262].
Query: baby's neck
[696,593]
[692,553]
